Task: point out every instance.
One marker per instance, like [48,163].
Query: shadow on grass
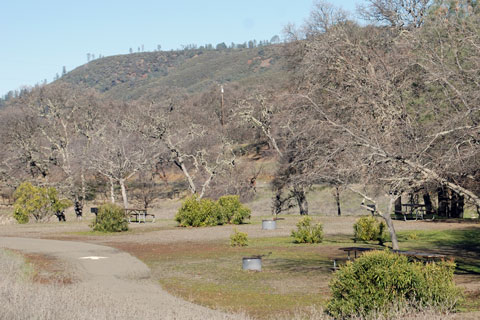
[461,244]
[303,266]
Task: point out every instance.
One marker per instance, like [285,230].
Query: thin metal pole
[221,90]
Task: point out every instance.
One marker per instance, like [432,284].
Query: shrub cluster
[233,211]
[37,202]
[368,229]
[196,212]
[110,218]
[238,239]
[376,280]
[308,232]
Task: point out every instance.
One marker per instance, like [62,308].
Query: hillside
[147,74]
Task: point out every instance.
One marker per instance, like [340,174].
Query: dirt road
[123,276]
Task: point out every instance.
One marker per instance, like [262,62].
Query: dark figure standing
[78,209]
[60,215]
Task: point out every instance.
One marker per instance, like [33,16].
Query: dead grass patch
[48,270]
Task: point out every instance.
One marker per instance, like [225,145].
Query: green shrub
[110,218]
[412,236]
[38,202]
[379,278]
[233,210]
[308,233]
[57,204]
[369,228]
[238,239]
[196,212]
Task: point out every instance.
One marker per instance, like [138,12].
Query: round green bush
[378,279]
[233,210]
[368,229]
[238,239]
[37,202]
[307,233]
[196,212]
[110,218]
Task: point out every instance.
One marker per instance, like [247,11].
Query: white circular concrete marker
[93,258]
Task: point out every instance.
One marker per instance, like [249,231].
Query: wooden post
[223,122]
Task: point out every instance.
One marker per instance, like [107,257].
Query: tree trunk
[398,205]
[337,200]
[428,203]
[388,220]
[124,193]
[206,184]
[112,191]
[461,204]
[386,216]
[191,184]
[456,205]
[84,188]
[301,200]
[277,203]
[443,202]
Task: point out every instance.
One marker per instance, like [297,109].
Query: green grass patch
[260,302]
[471,302]
[461,244]
[293,276]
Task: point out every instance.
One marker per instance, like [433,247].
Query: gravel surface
[123,276]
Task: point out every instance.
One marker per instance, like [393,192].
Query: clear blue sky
[40,37]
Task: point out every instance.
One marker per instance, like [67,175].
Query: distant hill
[147,74]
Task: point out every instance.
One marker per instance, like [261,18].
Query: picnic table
[355,250]
[412,254]
[139,214]
[412,208]
[348,250]
[421,255]
[425,256]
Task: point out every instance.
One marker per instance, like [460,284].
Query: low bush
[368,229]
[233,210]
[110,218]
[238,239]
[413,236]
[37,202]
[196,212]
[377,279]
[307,232]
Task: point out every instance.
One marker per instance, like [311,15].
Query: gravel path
[123,276]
